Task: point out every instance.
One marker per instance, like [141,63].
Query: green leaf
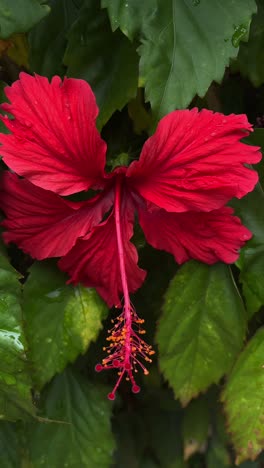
[196,421]
[108,61]
[10,456]
[47,41]
[18,16]
[83,438]
[186,46]
[250,464]
[15,382]
[243,398]
[136,110]
[217,455]
[251,54]
[17,50]
[61,320]
[131,16]
[251,260]
[202,328]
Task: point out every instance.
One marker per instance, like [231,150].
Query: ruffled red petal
[94,260]
[54,141]
[208,237]
[42,223]
[195,161]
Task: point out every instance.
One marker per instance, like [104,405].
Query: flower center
[126,349]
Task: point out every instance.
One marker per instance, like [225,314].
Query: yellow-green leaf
[243,398]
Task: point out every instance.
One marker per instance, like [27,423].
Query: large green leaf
[131,16]
[251,54]
[15,382]
[83,438]
[61,320]
[251,261]
[20,15]
[202,328]
[187,45]
[47,41]
[108,61]
[243,398]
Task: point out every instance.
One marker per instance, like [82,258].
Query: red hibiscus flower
[187,171]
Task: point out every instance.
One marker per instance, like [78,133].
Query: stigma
[126,352]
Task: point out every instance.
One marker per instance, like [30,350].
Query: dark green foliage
[201,406]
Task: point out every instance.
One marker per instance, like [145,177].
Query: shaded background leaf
[251,260]
[250,60]
[18,16]
[196,422]
[48,41]
[10,448]
[83,437]
[108,61]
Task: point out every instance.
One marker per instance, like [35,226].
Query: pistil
[126,349]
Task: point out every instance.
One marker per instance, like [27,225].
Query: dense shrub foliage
[201,399]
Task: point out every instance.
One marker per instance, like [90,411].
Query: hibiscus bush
[132,233]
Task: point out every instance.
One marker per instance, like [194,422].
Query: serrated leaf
[61,320]
[107,60]
[131,16]
[186,46]
[243,398]
[10,456]
[48,41]
[251,54]
[15,382]
[201,329]
[83,438]
[251,260]
[17,16]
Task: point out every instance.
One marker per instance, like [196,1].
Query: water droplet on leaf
[54,294]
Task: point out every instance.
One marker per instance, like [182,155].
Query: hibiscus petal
[42,223]
[208,237]
[195,161]
[54,141]
[94,260]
